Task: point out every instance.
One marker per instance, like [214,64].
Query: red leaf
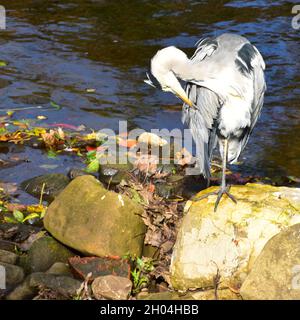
[89,148]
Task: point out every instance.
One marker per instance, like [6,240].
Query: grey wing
[259,88]
[202,122]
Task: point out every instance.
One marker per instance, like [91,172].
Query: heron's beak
[184,98]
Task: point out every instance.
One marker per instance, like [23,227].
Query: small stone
[8,257]
[23,291]
[60,268]
[64,285]
[43,253]
[74,173]
[99,267]
[8,245]
[13,274]
[111,287]
[113,174]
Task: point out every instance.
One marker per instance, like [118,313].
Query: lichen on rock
[226,243]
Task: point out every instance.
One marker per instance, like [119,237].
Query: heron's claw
[223,190]
[219,194]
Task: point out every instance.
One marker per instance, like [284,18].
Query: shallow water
[55,50]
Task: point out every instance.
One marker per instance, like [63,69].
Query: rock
[177,185]
[151,139]
[35,142]
[8,245]
[60,268]
[225,294]
[23,291]
[276,272]
[228,242]
[17,232]
[54,184]
[95,221]
[99,267]
[172,187]
[111,287]
[8,257]
[63,285]
[4,83]
[113,174]
[13,274]
[74,173]
[168,169]
[43,253]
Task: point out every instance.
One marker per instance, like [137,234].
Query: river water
[55,50]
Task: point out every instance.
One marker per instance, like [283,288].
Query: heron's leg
[224,189]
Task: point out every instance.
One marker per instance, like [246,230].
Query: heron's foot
[219,194]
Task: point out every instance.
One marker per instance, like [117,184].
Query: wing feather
[202,122]
[259,88]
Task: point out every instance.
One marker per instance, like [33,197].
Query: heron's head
[163,65]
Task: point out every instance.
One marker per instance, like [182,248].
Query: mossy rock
[43,253]
[276,272]
[95,221]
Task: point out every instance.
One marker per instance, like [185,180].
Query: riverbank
[111,229]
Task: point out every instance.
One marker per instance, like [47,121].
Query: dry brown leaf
[147,163]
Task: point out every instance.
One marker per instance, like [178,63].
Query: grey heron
[223,97]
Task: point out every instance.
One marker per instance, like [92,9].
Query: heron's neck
[182,67]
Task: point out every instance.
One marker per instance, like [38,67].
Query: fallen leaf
[15,206]
[151,187]
[41,117]
[147,163]
[51,154]
[55,105]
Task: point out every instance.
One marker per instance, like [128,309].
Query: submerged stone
[53,183]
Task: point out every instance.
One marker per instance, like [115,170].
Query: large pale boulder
[222,246]
[95,221]
[276,272]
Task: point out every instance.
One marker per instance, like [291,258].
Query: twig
[42,193]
